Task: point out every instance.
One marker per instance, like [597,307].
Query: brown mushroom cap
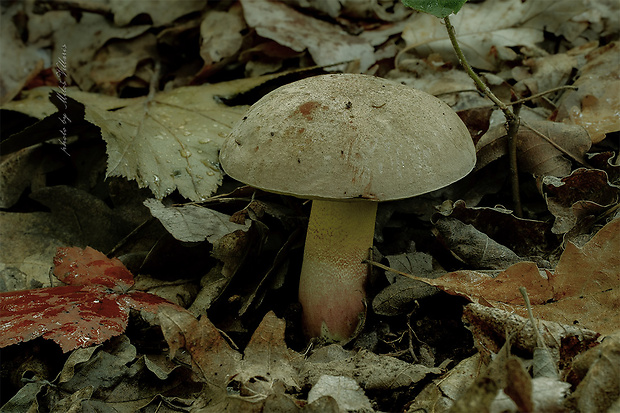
[345,136]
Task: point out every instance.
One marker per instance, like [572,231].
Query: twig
[513,128]
[541,94]
[386,268]
[528,306]
[512,118]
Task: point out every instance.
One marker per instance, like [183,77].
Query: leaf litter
[160,91]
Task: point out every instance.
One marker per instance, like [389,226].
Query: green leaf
[438,8]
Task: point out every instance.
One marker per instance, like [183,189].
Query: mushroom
[346,141]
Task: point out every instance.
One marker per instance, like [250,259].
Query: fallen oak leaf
[93,308]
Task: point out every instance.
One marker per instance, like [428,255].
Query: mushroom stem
[331,287]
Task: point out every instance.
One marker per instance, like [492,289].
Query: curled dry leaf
[551,71]
[526,237]
[584,193]
[597,373]
[489,326]
[83,38]
[118,61]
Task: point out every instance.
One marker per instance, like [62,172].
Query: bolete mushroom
[347,142]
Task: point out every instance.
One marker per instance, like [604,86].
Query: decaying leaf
[25,61]
[596,103]
[526,237]
[474,247]
[267,362]
[535,154]
[490,325]
[221,36]
[552,71]
[213,360]
[116,62]
[91,309]
[326,43]
[488,30]
[370,370]
[597,371]
[82,38]
[345,390]
[584,288]
[192,223]
[583,193]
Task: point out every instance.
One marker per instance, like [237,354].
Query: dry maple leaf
[92,308]
[265,361]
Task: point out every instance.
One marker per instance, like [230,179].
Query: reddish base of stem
[331,288]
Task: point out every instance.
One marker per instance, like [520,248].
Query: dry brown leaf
[526,237]
[221,35]
[370,370]
[83,39]
[600,387]
[584,289]
[326,43]
[487,31]
[19,63]
[490,327]
[160,11]
[596,104]
[582,194]
[213,360]
[117,61]
[267,363]
[267,359]
[534,153]
[551,71]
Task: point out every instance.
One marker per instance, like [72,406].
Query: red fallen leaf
[75,266]
[92,309]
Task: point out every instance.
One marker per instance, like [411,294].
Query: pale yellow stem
[333,277]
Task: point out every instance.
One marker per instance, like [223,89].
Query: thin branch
[512,118]
[541,94]
[513,128]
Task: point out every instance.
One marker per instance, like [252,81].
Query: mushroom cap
[347,136]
